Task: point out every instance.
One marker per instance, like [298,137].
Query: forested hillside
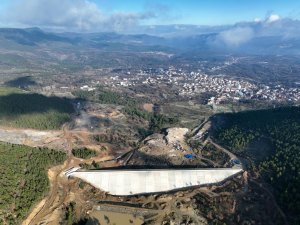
[30,110]
[24,179]
[280,130]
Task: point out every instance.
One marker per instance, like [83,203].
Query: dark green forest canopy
[84,153]
[106,96]
[24,178]
[280,128]
[30,110]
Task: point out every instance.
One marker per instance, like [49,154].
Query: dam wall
[132,182]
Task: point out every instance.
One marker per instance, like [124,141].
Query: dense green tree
[24,178]
[83,153]
[281,168]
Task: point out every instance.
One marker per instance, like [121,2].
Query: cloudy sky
[122,15]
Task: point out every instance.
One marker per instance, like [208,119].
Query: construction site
[179,176]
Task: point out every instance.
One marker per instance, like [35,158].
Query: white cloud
[236,36]
[244,32]
[257,20]
[70,15]
[272,18]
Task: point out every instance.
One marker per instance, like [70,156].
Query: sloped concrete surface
[132,182]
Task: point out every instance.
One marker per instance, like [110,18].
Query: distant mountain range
[220,40]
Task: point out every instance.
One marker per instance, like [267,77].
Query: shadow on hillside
[89,221]
[140,161]
[21,82]
[16,104]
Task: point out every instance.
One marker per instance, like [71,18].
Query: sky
[122,15]
[207,12]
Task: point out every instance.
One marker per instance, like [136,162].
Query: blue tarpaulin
[236,161]
[189,156]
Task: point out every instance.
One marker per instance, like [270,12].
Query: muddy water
[109,218]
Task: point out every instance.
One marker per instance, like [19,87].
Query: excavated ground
[202,205]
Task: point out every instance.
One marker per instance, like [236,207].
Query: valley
[151,111]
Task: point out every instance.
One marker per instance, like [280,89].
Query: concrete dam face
[132,182]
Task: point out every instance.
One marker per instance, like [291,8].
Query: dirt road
[58,188]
